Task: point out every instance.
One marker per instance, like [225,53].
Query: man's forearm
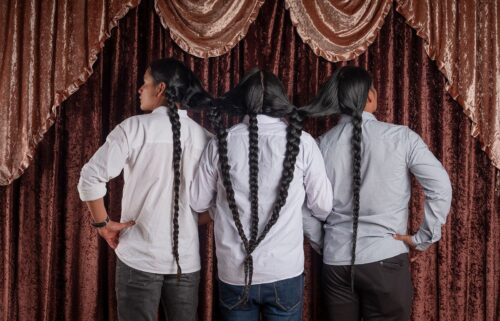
[97,210]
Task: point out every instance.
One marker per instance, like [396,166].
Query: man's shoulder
[385,130]
[134,120]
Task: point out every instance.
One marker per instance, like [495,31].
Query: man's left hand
[407,239]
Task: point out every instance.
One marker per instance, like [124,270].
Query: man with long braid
[157,241]
[255,177]
[366,270]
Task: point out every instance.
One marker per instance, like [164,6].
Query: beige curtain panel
[48,48]
[207,28]
[463,37]
[338,30]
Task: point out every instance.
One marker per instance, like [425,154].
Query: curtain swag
[50,49]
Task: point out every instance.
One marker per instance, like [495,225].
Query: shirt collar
[163,110]
[366,116]
[263,119]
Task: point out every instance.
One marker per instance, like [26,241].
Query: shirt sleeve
[313,229]
[319,196]
[107,163]
[437,189]
[204,185]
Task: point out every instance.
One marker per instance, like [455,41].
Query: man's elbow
[89,186]
[441,190]
[447,191]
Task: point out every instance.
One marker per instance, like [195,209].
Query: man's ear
[161,89]
[371,94]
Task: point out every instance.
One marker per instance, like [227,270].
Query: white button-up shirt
[143,147]
[280,255]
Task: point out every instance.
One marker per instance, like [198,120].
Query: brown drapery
[463,37]
[49,49]
[207,28]
[53,267]
[338,30]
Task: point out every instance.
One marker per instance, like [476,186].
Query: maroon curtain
[53,266]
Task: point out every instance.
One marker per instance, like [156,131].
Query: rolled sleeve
[107,163]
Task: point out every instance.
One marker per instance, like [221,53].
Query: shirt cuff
[420,245]
[92,194]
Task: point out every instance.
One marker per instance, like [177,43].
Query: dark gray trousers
[139,294]
[382,291]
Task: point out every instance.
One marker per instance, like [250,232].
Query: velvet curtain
[54,267]
[463,37]
[50,46]
[207,28]
[48,49]
[338,30]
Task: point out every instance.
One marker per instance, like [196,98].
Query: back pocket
[289,292]
[230,296]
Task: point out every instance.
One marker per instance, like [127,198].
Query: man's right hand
[111,232]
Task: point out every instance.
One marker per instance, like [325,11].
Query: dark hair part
[259,92]
[346,92]
[184,88]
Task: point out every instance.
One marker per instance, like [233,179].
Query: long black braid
[270,100]
[356,183]
[253,162]
[294,131]
[183,88]
[176,160]
[221,131]
[346,92]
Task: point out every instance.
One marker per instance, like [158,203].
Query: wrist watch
[100,224]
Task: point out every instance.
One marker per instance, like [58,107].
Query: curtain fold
[207,28]
[49,48]
[48,51]
[338,30]
[53,266]
[463,38]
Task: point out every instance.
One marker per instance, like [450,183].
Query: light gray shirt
[389,154]
[280,255]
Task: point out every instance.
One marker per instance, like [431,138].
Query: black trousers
[382,291]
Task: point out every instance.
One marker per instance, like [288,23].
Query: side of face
[151,94]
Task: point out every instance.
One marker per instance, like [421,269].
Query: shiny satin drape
[53,267]
[463,37]
[48,49]
[338,30]
[207,28]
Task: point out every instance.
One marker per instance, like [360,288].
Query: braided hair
[346,92]
[259,92]
[183,88]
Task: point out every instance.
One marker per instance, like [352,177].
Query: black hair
[184,88]
[346,92]
[259,92]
